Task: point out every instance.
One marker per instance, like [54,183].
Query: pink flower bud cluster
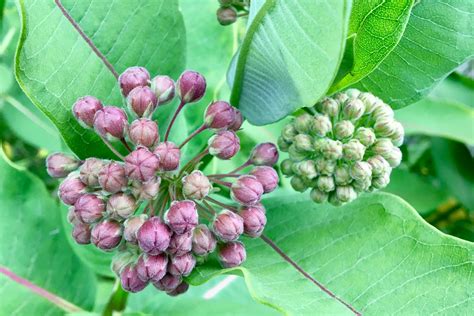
[158,215]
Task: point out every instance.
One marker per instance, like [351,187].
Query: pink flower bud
[141,164]
[107,234]
[89,172]
[180,289]
[154,236]
[112,177]
[130,280]
[224,145]
[267,176]
[111,122]
[169,155]
[81,233]
[71,189]
[147,190]
[196,185]
[247,190]
[254,220]
[204,241]
[151,267]
[232,254]
[131,227]
[264,154]
[120,260]
[71,216]
[182,216]
[219,115]
[239,120]
[168,283]
[228,226]
[89,208]
[163,87]
[59,165]
[182,265]
[191,86]
[144,132]
[121,206]
[133,77]
[84,110]
[180,244]
[142,101]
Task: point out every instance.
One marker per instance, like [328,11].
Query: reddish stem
[224,183]
[112,148]
[208,198]
[245,165]
[180,107]
[224,175]
[196,132]
[124,142]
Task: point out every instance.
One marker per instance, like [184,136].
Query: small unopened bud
[144,132]
[321,125]
[182,216]
[302,123]
[168,283]
[398,134]
[318,196]
[332,149]
[142,101]
[112,177]
[379,165]
[219,115]
[59,165]
[111,122]
[141,164]
[264,154]
[381,181]
[334,200]
[393,157]
[154,236]
[81,233]
[247,190]
[341,97]
[133,77]
[196,185]
[239,120]
[353,150]
[287,167]
[326,183]
[181,265]
[345,193]
[254,220]
[148,190]
[369,100]
[131,227]
[352,93]
[163,87]
[329,107]
[180,244]
[130,280]
[325,166]
[107,234]
[203,242]
[228,226]
[353,109]
[342,175]
[71,189]
[384,127]
[361,170]
[289,132]
[365,135]
[71,216]
[307,169]
[298,184]
[89,208]
[89,172]
[151,268]
[382,110]
[303,142]
[362,185]
[180,289]
[84,110]
[232,254]
[267,176]
[224,145]
[121,260]
[283,144]
[343,129]
[191,86]
[121,206]
[226,15]
[295,154]
[169,154]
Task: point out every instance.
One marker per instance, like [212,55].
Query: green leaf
[440,118]
[6,79]
[438,38]
[376,254]
[289,57]
[375,28]
[34,248]
[55,65]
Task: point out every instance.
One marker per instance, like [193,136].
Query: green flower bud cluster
[349,146]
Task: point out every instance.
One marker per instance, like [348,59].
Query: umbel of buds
[157,215]
[349,146]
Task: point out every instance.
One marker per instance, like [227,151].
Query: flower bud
[385,127]
[362,185]
[345,193]
[342,175]
[289,132]
[154,236]
[341,97]
[254,220]
[141,164]
[353,150]
[148,190]
[84,110]
[321,125]
[331,149]
[283,145]
[226,15]
[121,206]
[361,170]
[112,177]
[307,169]
[203,241]
[144,132]
[303,142]
[106,235]
[228,226]
[169,154]
[224,145]
[71,189]
[163,88]
[325,166]
[71,216]
[379,165]
[318,196]
[393,157]
[247,190]
[111,122]
[365,135]
[343,129]
[334,200]
[298,184]
[142,101]
[182,216]
[151,268]
[295,154]
[264,154]
[89,208]
[382,181]
[219,115]
[267,176]
[369,100]
[352,93]
[286,167]
[325,183]
[81,233]
[182,265]
[196,185]
[89,172]
[381,110]
[239,120]
[382,146]
[232,254]
[130,280]
[59,165]
[398,134]
[131,227]
[353,109]
[120,260]
[191,86]
[168,283]
[302,123]
[180,244]
[133,77]
[330,107]
[180,289]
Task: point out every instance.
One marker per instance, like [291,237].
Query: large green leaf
[35,249]
[289,57]
[55,65]
[376,254]
[438,38]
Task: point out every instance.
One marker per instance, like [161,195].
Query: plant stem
[221,204]
[124,142]
[245,165]
[196,132]
[224,175]
[180,107]
[224,183]
[193,161]
[117,301]
[112,148]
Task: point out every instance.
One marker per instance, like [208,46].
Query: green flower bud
[382,146]
[341,97]
[295,154]
[324,166]
[361,170]
[369,100]
[319,144]
[318,196]
[384,127]
[362,185]
[286,167]
[332,149]
[289,132]
[346,193]
[381,181]
[295,167]
[342,175]
[298,184]
[353,150]
[365,135]
[382,111]
[353,109]
[379,165]
[343,129]
[325,184]
[393,157]
[329,107]
[307,169]
[303,142]
[352,93]
[321,125]
[302,123]
[398,134]
[333,199]
[283,145]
